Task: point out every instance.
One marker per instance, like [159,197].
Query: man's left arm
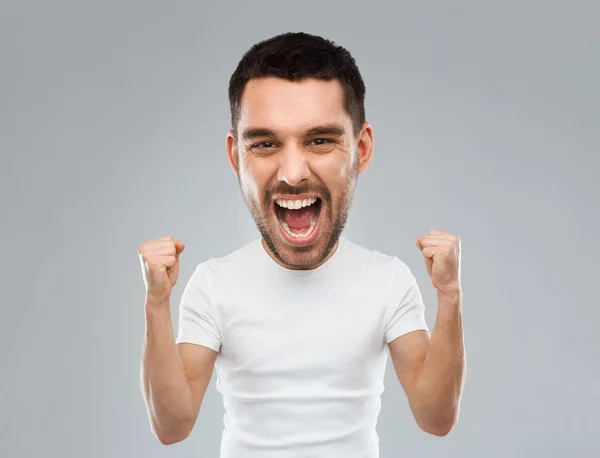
[432,369]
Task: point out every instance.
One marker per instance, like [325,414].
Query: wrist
[154,303]
[453,290]
[157,314]
[450,300]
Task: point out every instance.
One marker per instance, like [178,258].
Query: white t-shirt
[302,353]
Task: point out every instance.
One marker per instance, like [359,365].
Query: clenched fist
[442,258]
[160,266]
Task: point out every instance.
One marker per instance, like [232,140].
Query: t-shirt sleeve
[406,310]
[198,320]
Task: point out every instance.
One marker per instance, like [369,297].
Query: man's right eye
[263,145]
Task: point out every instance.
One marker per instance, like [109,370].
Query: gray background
[113,123]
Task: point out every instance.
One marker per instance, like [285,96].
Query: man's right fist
[160,266]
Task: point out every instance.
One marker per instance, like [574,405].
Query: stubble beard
[335,223]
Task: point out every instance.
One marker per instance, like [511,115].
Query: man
[299,322]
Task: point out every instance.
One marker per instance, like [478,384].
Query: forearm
[439,385]
[166,390]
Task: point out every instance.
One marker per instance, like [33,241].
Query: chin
[307,257]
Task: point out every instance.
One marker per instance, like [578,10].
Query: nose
[293,168]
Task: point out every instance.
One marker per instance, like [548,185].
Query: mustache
[284,188]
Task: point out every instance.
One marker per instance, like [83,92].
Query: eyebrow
[327,129]
[336,130]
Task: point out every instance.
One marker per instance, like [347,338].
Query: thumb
[419,240]
[179,247]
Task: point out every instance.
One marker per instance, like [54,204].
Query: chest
[335,337]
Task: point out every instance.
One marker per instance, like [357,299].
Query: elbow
[170,440]
[439,430]
[439,427]
[171,437]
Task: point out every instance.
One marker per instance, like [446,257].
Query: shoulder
[220,267]
[380,264]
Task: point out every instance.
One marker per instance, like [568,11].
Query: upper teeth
[295,204]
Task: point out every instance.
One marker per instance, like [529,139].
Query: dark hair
[296,56]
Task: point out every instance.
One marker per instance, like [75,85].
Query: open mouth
[298,219]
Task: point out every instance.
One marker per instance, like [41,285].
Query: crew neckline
[327,265]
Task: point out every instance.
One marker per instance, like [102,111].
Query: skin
[432,369]
[173,377]
[286,161]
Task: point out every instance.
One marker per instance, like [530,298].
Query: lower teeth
[299,235]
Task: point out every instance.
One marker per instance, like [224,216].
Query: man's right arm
[174,376]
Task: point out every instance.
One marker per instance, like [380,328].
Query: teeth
[295,204]
[299,235]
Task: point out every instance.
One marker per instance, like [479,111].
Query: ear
[232,152]
[365,147]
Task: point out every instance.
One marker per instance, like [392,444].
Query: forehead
[283,105]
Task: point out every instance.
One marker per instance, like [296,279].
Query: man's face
[297,161]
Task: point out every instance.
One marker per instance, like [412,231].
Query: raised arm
[432,370]
[174,377]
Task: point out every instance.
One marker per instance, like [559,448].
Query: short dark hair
[295,56]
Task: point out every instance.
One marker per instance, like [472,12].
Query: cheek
[334,171]
[253,177]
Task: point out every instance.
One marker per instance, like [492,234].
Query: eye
[321,141]
[263,145]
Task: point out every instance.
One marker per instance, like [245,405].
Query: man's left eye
[321,141]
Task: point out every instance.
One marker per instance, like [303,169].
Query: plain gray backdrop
[112,132]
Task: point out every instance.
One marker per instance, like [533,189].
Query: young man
[299,321]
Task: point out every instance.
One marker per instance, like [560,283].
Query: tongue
[300,219]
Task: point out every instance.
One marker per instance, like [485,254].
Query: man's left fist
[442,258]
